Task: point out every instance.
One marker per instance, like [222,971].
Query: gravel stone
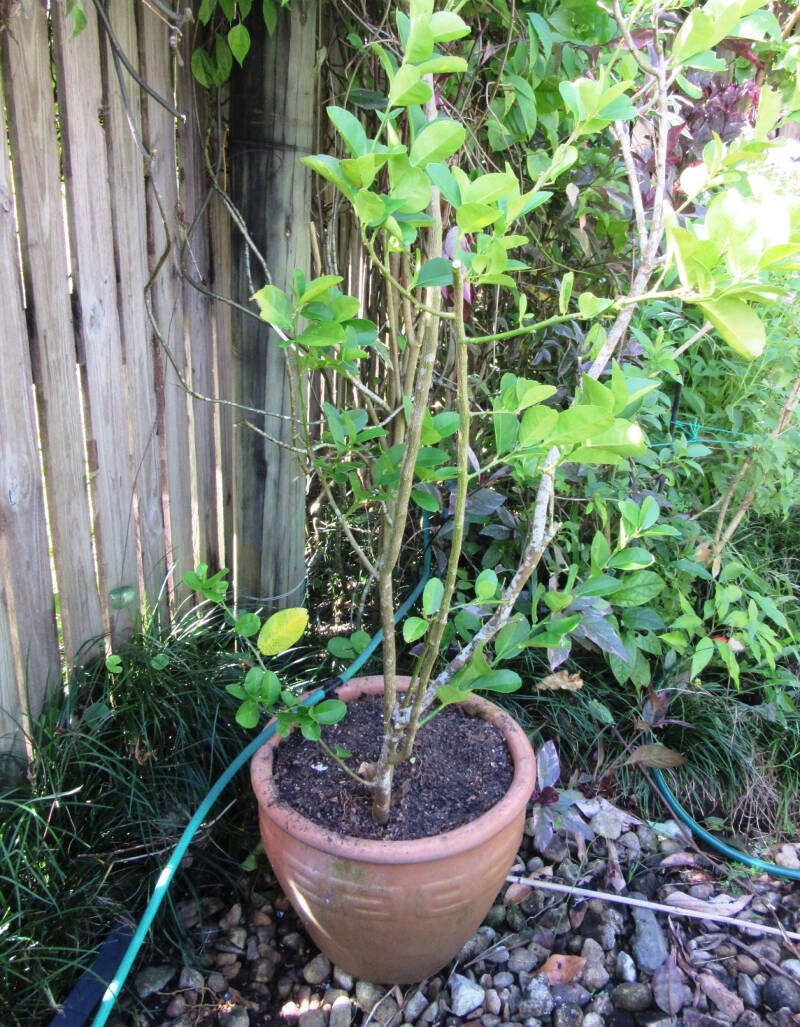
[780,992]
[217,983]
[465,995]
[367,994]
[537,999]
[567,1016]
[522,960]
[504,979]
[593,1020]
[649,946]
[633,997]
[415,1005]
[191,978]
[479,942]
[792,966]
[318,970]
[748,991]
[238,1017]
[313,1018]
[492,1001]
[571,994]
[152,979]
[341,1014]
[595,976]
[592,952]
[342,979]
[625,967]
[499,954]
[749,1018]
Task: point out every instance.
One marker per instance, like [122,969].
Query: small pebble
[625,967]
[318,970]
[633,997]
[465,995]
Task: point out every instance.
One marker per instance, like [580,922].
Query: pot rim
[416,850]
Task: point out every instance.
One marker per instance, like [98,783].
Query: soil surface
[460,768]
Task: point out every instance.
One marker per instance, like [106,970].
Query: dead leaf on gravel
[516,893]
[724,905]
[730,1004]
[679,859]
[669,991]
[614,876]
[562,969]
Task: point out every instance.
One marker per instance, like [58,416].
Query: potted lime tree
[396,910]
[394,906]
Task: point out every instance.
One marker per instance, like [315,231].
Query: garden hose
[167,874]
[714,843]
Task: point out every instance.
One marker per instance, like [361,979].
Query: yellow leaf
[282,630]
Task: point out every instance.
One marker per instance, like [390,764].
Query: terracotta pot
[395,912]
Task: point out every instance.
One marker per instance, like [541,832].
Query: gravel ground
[541,957]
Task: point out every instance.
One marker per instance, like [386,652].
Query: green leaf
[329,168]
[310,730]
[631,559]
[252,681]
[329,711]
[236,690]
[341,648]
[414,628]
[123,597]
[408,89]
[318,287]
[537,425]
[239,42]
[639,589]
[410,185]
[600,553]
[490,188]
[510,639]
[270,15]
[114,664]
[472,217]
[270,688]
[160,661]
[425,500]
[205,11]
[600,711]
[370,209]
[223,60]
[203,68]
[594,392]
[497,681]
[247,714]
[740,327]
[437,271]
[247,625]
[449,694]
[350,129]
[432,596]
[282,630]
[590,305]
[486,584]
[565,292]
[446,26]
[580,423]
[437,141]
[275,307]
[703,652]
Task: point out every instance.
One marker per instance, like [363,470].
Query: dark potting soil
[459,769]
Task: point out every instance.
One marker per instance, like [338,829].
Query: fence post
[272,116]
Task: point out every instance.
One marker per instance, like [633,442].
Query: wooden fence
[114,479]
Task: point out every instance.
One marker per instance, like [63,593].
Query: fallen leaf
[562,969]
[730,1004]
[614,876]
[561,680]
[669,991]
[679,859]
[725,905]
[655,756]
[516,893]
[577,911]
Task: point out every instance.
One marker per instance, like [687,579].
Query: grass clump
[119,765]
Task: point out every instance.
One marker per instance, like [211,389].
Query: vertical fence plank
[129,223]
[223,360]
[29,99]
[272,127]
[166,293]
[195,259]
[28,645]
[80,94]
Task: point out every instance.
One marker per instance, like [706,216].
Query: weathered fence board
[129,218]
[80,92]
[167,298]
[29,99]
[28,649]
[195,262]
[272,127]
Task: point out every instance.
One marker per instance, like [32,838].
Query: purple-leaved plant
[554,810]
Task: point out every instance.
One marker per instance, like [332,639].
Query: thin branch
[622,135]
[704,329]
[658,907]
